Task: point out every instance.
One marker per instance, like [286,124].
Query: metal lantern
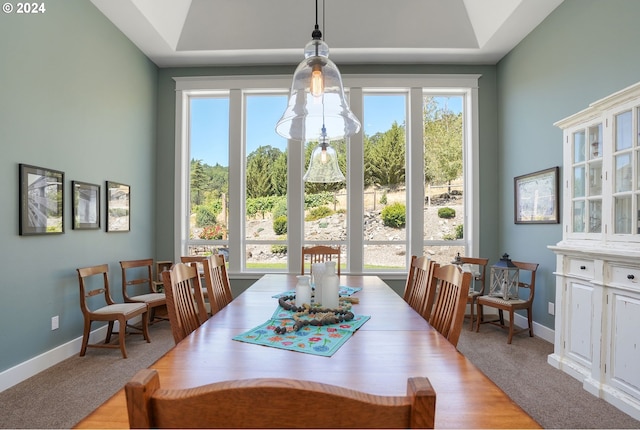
[504,279]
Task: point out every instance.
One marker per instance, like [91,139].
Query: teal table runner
[318,340]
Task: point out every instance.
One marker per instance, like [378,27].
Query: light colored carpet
[62,395]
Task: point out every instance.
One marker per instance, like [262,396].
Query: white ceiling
[245,32]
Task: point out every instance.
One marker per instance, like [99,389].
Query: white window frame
[417,86]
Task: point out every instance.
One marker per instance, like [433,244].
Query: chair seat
[124,308]
[150,298]
[501,301]
[474,293]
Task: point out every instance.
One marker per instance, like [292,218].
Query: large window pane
[209,175]
[265,184]
[385,197]
[444,174]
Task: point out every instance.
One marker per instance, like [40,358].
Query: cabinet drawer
[582,268]
[625,276]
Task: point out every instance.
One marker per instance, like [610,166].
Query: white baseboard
[35,365]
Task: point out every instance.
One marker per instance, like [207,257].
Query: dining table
[394,344]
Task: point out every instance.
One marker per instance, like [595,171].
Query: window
[414,156]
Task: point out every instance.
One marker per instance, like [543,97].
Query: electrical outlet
[552,308]
[55,322]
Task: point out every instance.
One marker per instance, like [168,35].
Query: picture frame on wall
[118,206]
[86,206]
[536,197]
[41,192]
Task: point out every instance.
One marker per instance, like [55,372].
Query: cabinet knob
[583,267]
[630,277]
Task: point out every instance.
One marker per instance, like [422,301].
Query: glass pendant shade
[323,165]
[317,98]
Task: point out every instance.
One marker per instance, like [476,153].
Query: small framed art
[41,192]
[536,197]
[86,206]
[118,204]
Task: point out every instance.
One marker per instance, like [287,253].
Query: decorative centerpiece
[305,314]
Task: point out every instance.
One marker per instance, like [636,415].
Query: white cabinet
[597,333]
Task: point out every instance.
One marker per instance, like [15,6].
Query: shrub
[319,212]
[383,199]
[394,215]
[280,209]
[446,212]
[280,225]
[206,215]
[459,231]
[279,249]
[212,232]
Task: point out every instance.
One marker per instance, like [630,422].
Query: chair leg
[501,315]
[109,332]
[85,337]
[472,320]
[479,319]
[510,326]
[122,331]
[530,320]
[145,326]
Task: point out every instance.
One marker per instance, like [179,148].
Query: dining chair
[217,282]
[275,403]
[111,311]
[185,303]
[137,275]
[420,284]
[479,276]
[511,305]
[447,315]
[320,254]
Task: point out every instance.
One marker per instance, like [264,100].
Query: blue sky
[210,122]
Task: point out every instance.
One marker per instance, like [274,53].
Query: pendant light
[317,97]
[323,164]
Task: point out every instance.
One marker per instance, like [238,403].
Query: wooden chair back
[101,288]
[141,278]
[217,282]
[275,403]
[531,285]
[185,304]
[420,284]
[319,254]
[481,275]
[447,315]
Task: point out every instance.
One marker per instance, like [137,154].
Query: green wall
[76,96]
[585,50]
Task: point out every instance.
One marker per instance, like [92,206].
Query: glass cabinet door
[587,180]
[625,149]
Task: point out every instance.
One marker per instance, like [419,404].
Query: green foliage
[318,199]
[383,198]
[319,212]
[279,249]
[459,231]
[207,214]
[261,174]
[457,235]
[212,232]
[262,205]
[446,212]
[280,208]
[384,157]
[280,225]
[394,215]
[442,143]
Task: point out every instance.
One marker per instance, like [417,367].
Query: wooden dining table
[394,344]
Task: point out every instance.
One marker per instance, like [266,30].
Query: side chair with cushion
[420,284]
[217,282]
[111,311]
[320,254]
[264,402]
[138,274]
[478,278]
[185,304]
[511,305]
[196,261]
[447,315]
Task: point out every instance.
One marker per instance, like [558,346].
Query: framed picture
[536,197]
[41,192]
[118,198]
[86,206]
